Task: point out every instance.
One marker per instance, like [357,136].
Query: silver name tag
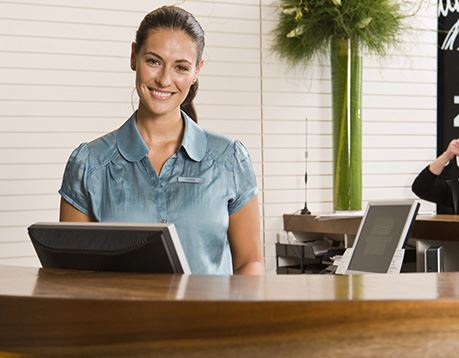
[190,180]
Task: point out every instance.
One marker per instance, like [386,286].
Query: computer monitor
[383,230]
[118,247]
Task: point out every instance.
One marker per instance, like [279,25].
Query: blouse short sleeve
[244,178]
[73,188]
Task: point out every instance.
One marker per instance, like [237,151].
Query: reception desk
[442,230]
[426,227]
[57,313]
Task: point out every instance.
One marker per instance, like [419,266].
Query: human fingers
[454,146]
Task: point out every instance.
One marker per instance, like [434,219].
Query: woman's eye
[153,61]
[182,68]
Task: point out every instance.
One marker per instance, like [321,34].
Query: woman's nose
[164,78]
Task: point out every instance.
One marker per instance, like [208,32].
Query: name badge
[192,180]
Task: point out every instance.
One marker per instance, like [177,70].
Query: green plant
[309,27]
[306,27]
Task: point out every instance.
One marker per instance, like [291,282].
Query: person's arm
[437,166]
[428,185]
[74,205]
[70,213]
[244,238]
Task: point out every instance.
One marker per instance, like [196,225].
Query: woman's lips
[160,94]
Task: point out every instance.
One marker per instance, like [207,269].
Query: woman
[433,185]
[160,166]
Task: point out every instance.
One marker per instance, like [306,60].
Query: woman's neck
[160,130]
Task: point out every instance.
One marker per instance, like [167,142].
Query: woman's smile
[161,95]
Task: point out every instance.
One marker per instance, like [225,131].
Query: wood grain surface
[59,313]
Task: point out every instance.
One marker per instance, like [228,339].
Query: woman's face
[166,68]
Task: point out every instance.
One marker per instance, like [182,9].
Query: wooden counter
[427,227]
[57,313]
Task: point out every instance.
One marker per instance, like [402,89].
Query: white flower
[289,10]
[297,31]
[364,23]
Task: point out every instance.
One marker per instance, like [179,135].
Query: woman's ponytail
[187,106]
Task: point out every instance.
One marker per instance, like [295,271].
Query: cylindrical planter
[346,75]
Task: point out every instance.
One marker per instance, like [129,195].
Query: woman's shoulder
[218,145]
[98,152]
[224,149]
[218,142]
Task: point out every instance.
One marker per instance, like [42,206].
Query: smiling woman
[160,166]
[182,41]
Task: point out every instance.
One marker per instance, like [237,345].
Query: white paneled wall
[65,78]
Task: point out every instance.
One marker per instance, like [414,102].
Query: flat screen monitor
[383,230]
[117,247]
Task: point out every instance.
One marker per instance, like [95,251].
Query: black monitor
[383,231]
[117,247]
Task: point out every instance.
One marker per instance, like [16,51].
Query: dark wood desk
[426,227]
[69,313]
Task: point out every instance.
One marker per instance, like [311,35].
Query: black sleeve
[434,188]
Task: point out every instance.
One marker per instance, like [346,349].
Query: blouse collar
[133,148]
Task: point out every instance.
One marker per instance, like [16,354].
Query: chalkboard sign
[447,73]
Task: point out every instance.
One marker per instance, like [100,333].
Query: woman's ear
[133,56]
[198,68]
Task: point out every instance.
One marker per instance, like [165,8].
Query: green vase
[346,75]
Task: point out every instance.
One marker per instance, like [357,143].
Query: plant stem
[347,135]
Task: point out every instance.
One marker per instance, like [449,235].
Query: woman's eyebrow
[158,56]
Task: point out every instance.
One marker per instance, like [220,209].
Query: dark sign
[447,73]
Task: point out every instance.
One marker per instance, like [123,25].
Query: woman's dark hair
[175,18]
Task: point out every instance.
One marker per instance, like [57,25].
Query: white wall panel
[11,109]
[17,249]
[392,167]
[44,140]
[284,154]
[31,171]
[214,111]
[284,182]
[22,219]
[294,113]
[59,124]
[28,187]
[384,153]
[402,88]
[12,203]
[236,126]
[65,93]
[400,114]
[52,77]
[46,27]
[12,234]
[400,128]
[239,98]
[36,155]
[230,83]
[30,261]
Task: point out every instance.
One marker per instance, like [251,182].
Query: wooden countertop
[429,227]
[33,283]
[62,313]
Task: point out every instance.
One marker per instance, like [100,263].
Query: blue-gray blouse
[209,178]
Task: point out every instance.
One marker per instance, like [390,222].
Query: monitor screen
[383,230]
[121,247]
